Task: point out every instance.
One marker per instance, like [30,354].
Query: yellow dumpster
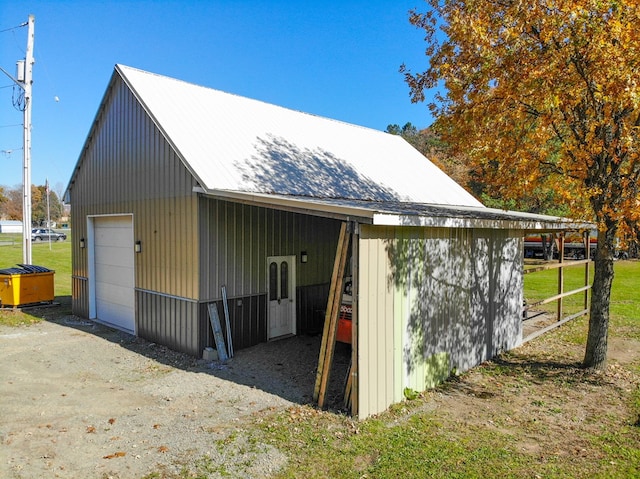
[27,284]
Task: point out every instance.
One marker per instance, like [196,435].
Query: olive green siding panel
[236,240]
[433,299]
[375,316]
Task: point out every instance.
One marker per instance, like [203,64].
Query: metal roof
[238,144]
[254,152]
[396,213]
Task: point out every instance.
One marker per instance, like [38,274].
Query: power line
[15,28]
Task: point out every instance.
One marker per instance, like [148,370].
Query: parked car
[46,234]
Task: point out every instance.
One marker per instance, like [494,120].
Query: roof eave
[299,205]
[529,225]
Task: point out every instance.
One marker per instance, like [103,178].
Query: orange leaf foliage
[542,92]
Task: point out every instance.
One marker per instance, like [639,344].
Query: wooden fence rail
[560,266]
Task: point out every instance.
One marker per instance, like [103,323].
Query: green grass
[544,284]
[625,305]
[414,439]
[57,258]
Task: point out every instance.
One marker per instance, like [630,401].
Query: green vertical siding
[433,299]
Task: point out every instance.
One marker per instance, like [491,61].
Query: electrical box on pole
[20,70]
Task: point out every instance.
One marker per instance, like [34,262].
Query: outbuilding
[10,226]
[184,195]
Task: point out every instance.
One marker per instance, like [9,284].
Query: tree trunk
[596,350]
[548,243]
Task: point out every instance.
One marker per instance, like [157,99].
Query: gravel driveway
[80,400]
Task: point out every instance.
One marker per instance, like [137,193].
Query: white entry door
[114,272]
[281,271]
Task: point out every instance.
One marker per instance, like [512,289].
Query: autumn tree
[3,199]
[544,93]
[12,207]
[427,142]
[39,211]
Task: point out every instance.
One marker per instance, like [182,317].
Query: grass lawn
[55,256]
[531,413]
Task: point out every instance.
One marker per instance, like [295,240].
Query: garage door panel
[106,272]
[114,273]
[112,313]
[117,257]
[113,237]
[114,293]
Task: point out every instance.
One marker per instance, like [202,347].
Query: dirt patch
[536,321]
[80,400]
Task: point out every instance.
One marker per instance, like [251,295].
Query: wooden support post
[325,359]
[587,257]
[560,274]
[355,319]
[348,384]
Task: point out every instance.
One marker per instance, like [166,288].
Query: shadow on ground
[285,368]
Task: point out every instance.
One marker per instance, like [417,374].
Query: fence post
[560,273]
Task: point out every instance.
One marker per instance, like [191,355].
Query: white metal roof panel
[396,213]
[238,144]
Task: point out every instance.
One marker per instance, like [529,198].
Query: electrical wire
[18,101]
[15,28]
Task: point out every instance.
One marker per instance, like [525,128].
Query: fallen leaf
[156,426]
[116,454]
[112,420]
[163,449]
[91,429]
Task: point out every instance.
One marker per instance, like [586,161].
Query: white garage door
[114,271]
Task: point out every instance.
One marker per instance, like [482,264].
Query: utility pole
[26,147]
[25,81]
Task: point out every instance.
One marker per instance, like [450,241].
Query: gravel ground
[80,400]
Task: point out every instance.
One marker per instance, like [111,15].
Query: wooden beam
[554,325]
[348,384]
[548,266]
[355,318]
[564,294]
[327,347]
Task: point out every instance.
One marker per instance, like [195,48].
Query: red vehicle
[344,319]
[573,246]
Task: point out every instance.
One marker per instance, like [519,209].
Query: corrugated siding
[168,320]
[432,299]
[127,167]
[247,317]
[376,341]
[80,296]
[237,239]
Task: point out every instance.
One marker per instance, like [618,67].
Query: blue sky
[337,59]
